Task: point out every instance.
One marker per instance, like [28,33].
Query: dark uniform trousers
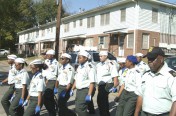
[15,109]
[127,104]
[49,98]
[102,99]
[30,111]
[7,96]
[62,103]
[91,104]
[80,104]
[148,114]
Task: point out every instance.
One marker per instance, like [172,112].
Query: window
[43,32]
[155,15]
[80,22]
[90,22]
[123,15]
[74,24]
[105,19]
[130,41]
[66,27]
[103,41]
[145,41]
[89,42]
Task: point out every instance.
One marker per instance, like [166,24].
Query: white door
[121,43]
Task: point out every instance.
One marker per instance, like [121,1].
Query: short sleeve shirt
[12,74]
[106,71]
[133,79]
[52,71]
[21,78]
[66,75]
[85,75]
[158,90]
[37,85]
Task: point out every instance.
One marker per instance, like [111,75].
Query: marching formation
[142,89]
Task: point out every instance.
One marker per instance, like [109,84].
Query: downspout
[136,24]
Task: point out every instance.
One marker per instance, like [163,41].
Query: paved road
[3,73]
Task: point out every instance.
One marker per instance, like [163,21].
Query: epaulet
[111,63]
[138,71]
[41,77]
[144,63]
[173,73]
[90,65]
[146,71]
[70,69]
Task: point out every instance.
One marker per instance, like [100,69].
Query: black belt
[82,89]
[163,114]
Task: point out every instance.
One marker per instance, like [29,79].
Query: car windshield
[73,60]
[96,57]
[171,62]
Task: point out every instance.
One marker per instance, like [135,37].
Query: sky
[73,6]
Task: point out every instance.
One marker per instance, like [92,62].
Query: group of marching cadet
[143,89]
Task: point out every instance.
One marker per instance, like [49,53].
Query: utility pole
[58,27]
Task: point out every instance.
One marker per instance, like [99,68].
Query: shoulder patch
[40,77]
[111,63]
[90,65]
[70,69]
[144,63]
[173,73]
[146,71]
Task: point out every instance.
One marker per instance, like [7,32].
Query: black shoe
[92,112]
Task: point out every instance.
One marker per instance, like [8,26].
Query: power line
[67,6]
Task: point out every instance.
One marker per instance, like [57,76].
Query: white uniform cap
[52,52]
[103,53]
[121,60]
[12,57]
[84,53]
[139,54]
[20,60]
[37,61]
[66,55]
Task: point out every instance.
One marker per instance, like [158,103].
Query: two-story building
[123,27]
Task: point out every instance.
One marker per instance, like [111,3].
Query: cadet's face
[128,63]
[155,64]
[81,59]
[10,61]
[122,65]
[64,60]
[49,56]
[33,69]
[139,59]
[18,66]
[102,58]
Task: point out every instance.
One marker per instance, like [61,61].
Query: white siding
[145,17]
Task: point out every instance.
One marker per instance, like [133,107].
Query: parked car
[94,58]
[171,62]
[4,52]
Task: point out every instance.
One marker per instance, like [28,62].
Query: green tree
[18,15]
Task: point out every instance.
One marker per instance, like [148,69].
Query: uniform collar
[84,64]
[123,69]
[140,63]
[36,73]
[20,71]
[161,71]
[65,65]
